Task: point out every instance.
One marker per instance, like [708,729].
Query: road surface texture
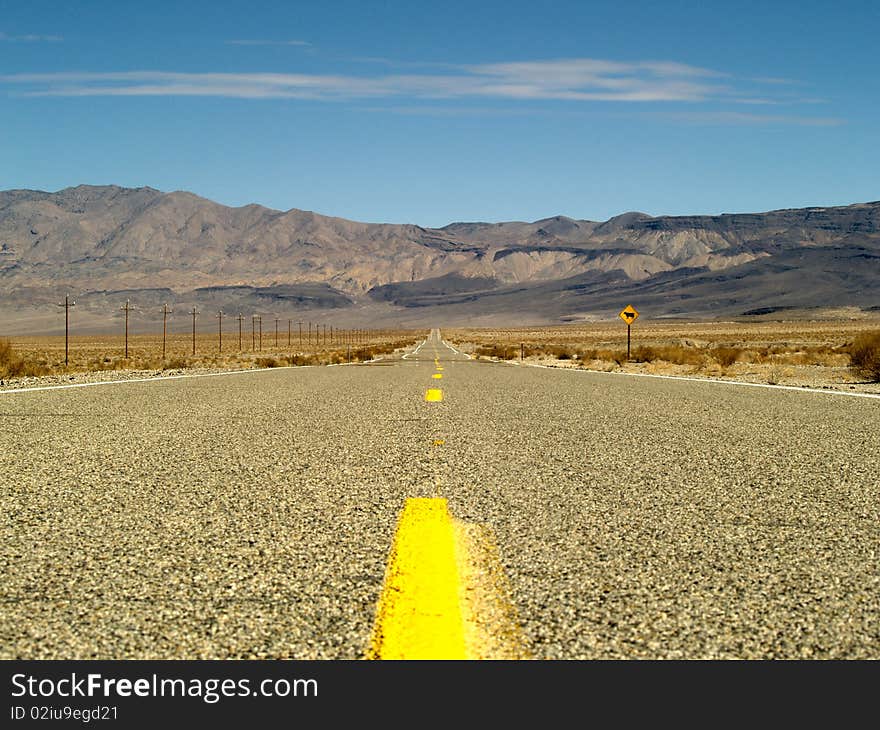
[252,514]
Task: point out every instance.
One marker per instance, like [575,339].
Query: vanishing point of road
[432,505]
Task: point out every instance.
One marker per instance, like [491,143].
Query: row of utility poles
[323,333]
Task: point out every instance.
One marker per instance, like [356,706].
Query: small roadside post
[628,315]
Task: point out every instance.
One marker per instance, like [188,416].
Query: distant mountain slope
[93,240]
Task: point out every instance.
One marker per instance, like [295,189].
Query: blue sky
[438,112]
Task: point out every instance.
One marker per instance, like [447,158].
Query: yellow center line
[437,376]
[445,595]
[419,613]
[433,395]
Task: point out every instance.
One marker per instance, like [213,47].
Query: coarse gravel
[251,515]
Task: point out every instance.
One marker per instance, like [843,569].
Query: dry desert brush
[864,356]
[13,365]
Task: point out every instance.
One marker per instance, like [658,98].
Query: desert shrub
[267,362]
[617,356]
[680,355]
[726,356]
[175,363]
[299,358]
[643,353]
[864,356]
[560,352]
[502,352]
[675,354]
[13,365]
[587,355]
[819,355]
[10,363]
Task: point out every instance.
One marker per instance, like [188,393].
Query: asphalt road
[251,515]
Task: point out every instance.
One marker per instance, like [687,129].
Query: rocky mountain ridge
[98,241]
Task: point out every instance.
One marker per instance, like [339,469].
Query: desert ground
[812,354]
[39,360]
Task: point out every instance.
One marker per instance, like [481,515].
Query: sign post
[628,315]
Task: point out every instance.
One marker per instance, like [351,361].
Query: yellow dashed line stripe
[434,395]
[437,376]
[445,594]
[419,614]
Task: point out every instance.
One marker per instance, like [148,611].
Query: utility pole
[260,322]
[126,308]
[331,334]
[240,317]
[165,313]
[220,317]
[67,305]
[310,333]
[325,334]
[276,333]
[253,333]
[300,333]
[288,333]
[194,313]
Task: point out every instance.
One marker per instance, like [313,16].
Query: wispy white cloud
[568,80]
[30,38]
[258,42]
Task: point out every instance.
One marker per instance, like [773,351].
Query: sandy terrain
[810,354]
[94,358]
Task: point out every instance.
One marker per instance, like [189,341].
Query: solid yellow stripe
[419,614]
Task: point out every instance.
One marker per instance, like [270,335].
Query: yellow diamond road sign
[629,315]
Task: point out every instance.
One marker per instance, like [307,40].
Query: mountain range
[106,244]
